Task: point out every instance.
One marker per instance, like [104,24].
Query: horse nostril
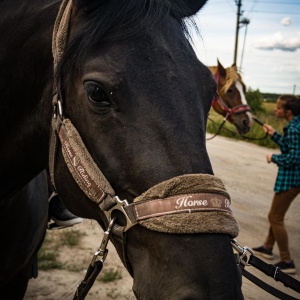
[246,122]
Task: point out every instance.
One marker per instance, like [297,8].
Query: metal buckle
[60,110]
[119,205]
[242,252]
[57,107]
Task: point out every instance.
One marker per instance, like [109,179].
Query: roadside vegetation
[60,251]
[55,243]
[262,106]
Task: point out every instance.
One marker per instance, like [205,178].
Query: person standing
[287,184]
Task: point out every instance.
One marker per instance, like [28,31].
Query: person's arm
[293,156]
[276,137]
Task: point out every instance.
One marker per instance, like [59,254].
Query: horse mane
[232,76]
[119,20]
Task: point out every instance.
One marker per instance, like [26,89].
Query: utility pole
[239,4]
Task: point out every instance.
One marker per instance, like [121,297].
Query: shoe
[286,267]
[264,252]
[60,214]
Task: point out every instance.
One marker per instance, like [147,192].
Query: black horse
[23,227]
[130,90]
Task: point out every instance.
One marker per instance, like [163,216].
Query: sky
[268,56]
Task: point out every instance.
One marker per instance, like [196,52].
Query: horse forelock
[232,76]
[118,20]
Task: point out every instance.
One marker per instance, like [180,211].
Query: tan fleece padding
[60,31]
[197,222]
[84,159]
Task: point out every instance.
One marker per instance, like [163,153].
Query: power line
[277,12]
[273,2]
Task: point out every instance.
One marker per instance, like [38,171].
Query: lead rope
[246,258]
[95,266]
[220,127]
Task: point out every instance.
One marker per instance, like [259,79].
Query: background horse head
[231,102]
[128,91]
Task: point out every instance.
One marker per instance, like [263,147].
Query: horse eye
[96,94]
[229,90]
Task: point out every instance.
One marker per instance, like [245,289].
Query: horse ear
[221,69]
[191,6]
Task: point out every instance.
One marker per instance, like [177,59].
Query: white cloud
[286,21]
[279,41]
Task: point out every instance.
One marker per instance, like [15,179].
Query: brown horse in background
[231,101]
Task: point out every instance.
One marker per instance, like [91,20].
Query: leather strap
[88,281]
[185,203]
[275,273]
[268,288]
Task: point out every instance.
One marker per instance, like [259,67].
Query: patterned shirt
[289,160]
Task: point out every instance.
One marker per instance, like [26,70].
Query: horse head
[231,101]
[123,85]
[130,118]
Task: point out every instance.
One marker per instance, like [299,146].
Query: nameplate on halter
[78,169]
[186,203]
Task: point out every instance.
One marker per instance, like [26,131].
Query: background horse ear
[221,69]
[192,6]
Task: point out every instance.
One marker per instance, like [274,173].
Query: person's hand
[269,157]
[268,129]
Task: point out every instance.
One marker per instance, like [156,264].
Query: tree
[255,100]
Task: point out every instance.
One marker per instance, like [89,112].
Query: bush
[255,100]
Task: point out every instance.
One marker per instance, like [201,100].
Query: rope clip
[102,251]
[242,252]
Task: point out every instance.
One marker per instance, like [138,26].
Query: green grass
[110,275]
[48,255]
[47,259]
[71,238]
[256,133]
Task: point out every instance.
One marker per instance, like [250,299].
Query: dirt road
[249,180]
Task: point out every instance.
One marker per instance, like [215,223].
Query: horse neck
[27,94]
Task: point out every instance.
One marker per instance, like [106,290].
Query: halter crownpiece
[60,31]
